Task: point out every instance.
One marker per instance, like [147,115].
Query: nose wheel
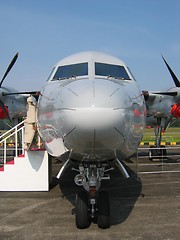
[103,218]
[82,213]
[86,212]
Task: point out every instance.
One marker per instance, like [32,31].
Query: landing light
[79,179]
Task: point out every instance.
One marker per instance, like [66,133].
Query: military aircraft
[91,106]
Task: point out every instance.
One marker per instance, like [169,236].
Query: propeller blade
[35,94]
[2,106]
[175,79]
[9,68]
[167,93]
[19,93]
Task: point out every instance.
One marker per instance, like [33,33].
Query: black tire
[157,153]
[152,153]
[163,152]
[103,218]
[82,215]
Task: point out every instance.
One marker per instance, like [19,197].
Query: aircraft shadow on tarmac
[123,193]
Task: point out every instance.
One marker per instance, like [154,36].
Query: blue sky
[44,31]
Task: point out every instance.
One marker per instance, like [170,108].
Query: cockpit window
[51,74]
[116,71]
[73,70]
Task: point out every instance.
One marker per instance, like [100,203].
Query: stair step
[37,149]
[2,168]
[10,162]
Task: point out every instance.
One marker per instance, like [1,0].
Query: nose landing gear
[92,205]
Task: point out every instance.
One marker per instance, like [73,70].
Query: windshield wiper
[73,76]
[120,78]
[63,78]
[55,79]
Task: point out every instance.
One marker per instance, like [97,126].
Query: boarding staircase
[22,169]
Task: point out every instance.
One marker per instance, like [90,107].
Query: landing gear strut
[158,151]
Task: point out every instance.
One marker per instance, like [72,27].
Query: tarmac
[145,208]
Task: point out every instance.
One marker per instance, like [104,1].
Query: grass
[171,135]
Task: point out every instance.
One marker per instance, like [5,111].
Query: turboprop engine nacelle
[175,110]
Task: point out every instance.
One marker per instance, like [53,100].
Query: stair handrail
[12,132]
[9,132]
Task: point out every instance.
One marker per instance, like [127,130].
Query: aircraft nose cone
[93,114]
